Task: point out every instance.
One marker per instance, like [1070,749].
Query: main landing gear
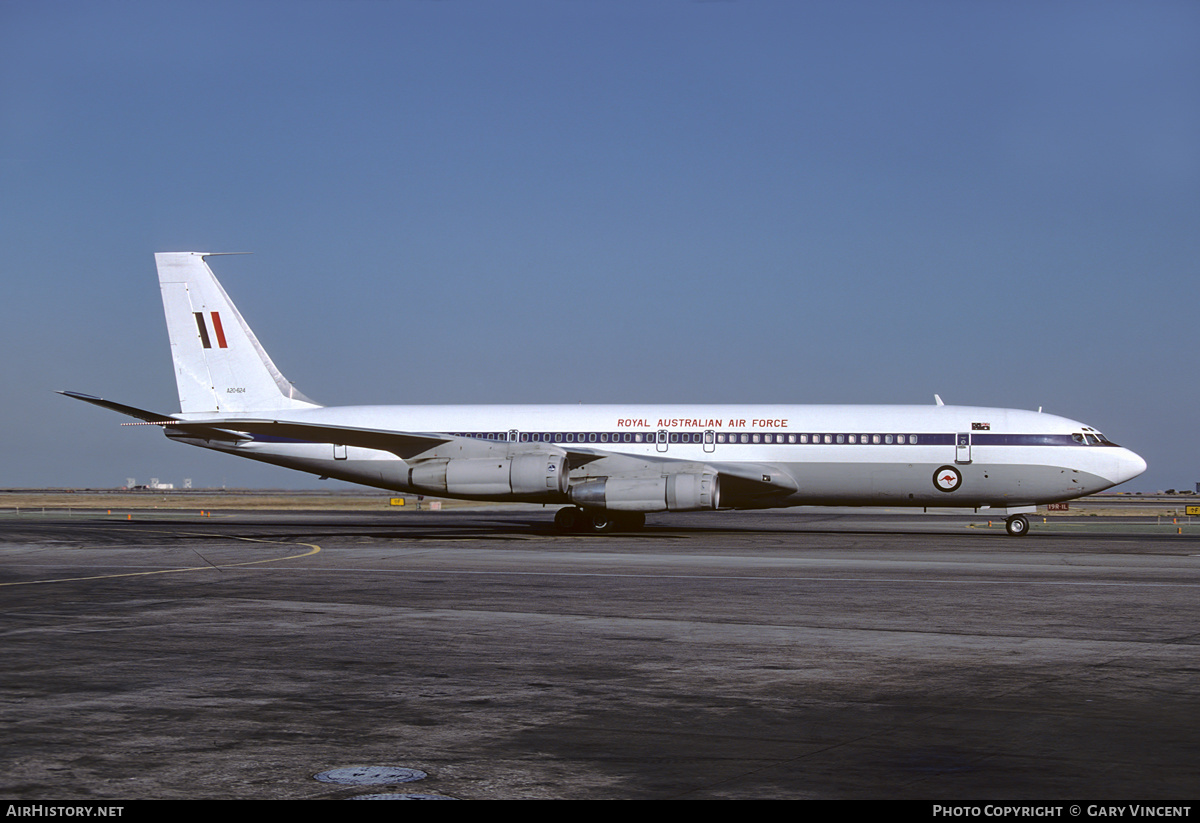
[1017,525]
[597,521]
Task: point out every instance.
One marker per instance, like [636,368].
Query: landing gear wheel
[568,519]
[598,521]
[1017,525]
[603,522]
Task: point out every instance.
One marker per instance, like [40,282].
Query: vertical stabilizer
[219,364]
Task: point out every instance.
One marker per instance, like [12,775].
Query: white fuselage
[956,456]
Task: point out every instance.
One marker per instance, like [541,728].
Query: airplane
[613,464]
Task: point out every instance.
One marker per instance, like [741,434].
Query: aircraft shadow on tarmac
[315,527]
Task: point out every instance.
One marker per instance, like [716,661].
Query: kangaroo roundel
[947,479]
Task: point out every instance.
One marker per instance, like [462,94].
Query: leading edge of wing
[404,445]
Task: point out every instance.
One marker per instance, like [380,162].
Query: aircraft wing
[745,479]
[405,445]
[743,485]
[747,482]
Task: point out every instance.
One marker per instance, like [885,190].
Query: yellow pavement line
[315,548]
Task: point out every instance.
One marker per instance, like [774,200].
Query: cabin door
[962,447]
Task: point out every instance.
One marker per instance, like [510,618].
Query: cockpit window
[1091,438]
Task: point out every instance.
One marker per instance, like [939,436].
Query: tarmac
[802,654]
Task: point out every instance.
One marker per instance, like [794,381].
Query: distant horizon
[351,488]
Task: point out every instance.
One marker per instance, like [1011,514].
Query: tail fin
[219,364]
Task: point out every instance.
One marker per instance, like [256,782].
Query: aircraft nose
[1129,466]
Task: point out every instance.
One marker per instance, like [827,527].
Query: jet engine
[528,476]
[679,492]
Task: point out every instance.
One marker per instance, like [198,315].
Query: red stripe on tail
[220,331]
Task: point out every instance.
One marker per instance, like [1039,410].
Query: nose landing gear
[1017,525]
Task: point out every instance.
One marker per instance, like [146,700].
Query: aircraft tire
[603,522]
[568,519]
[1017,525]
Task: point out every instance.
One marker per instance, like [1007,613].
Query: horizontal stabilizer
[154,418]
[140,414]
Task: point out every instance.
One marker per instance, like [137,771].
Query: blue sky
[492,202]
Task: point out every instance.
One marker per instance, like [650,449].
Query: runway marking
[313,546]
[746,577]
